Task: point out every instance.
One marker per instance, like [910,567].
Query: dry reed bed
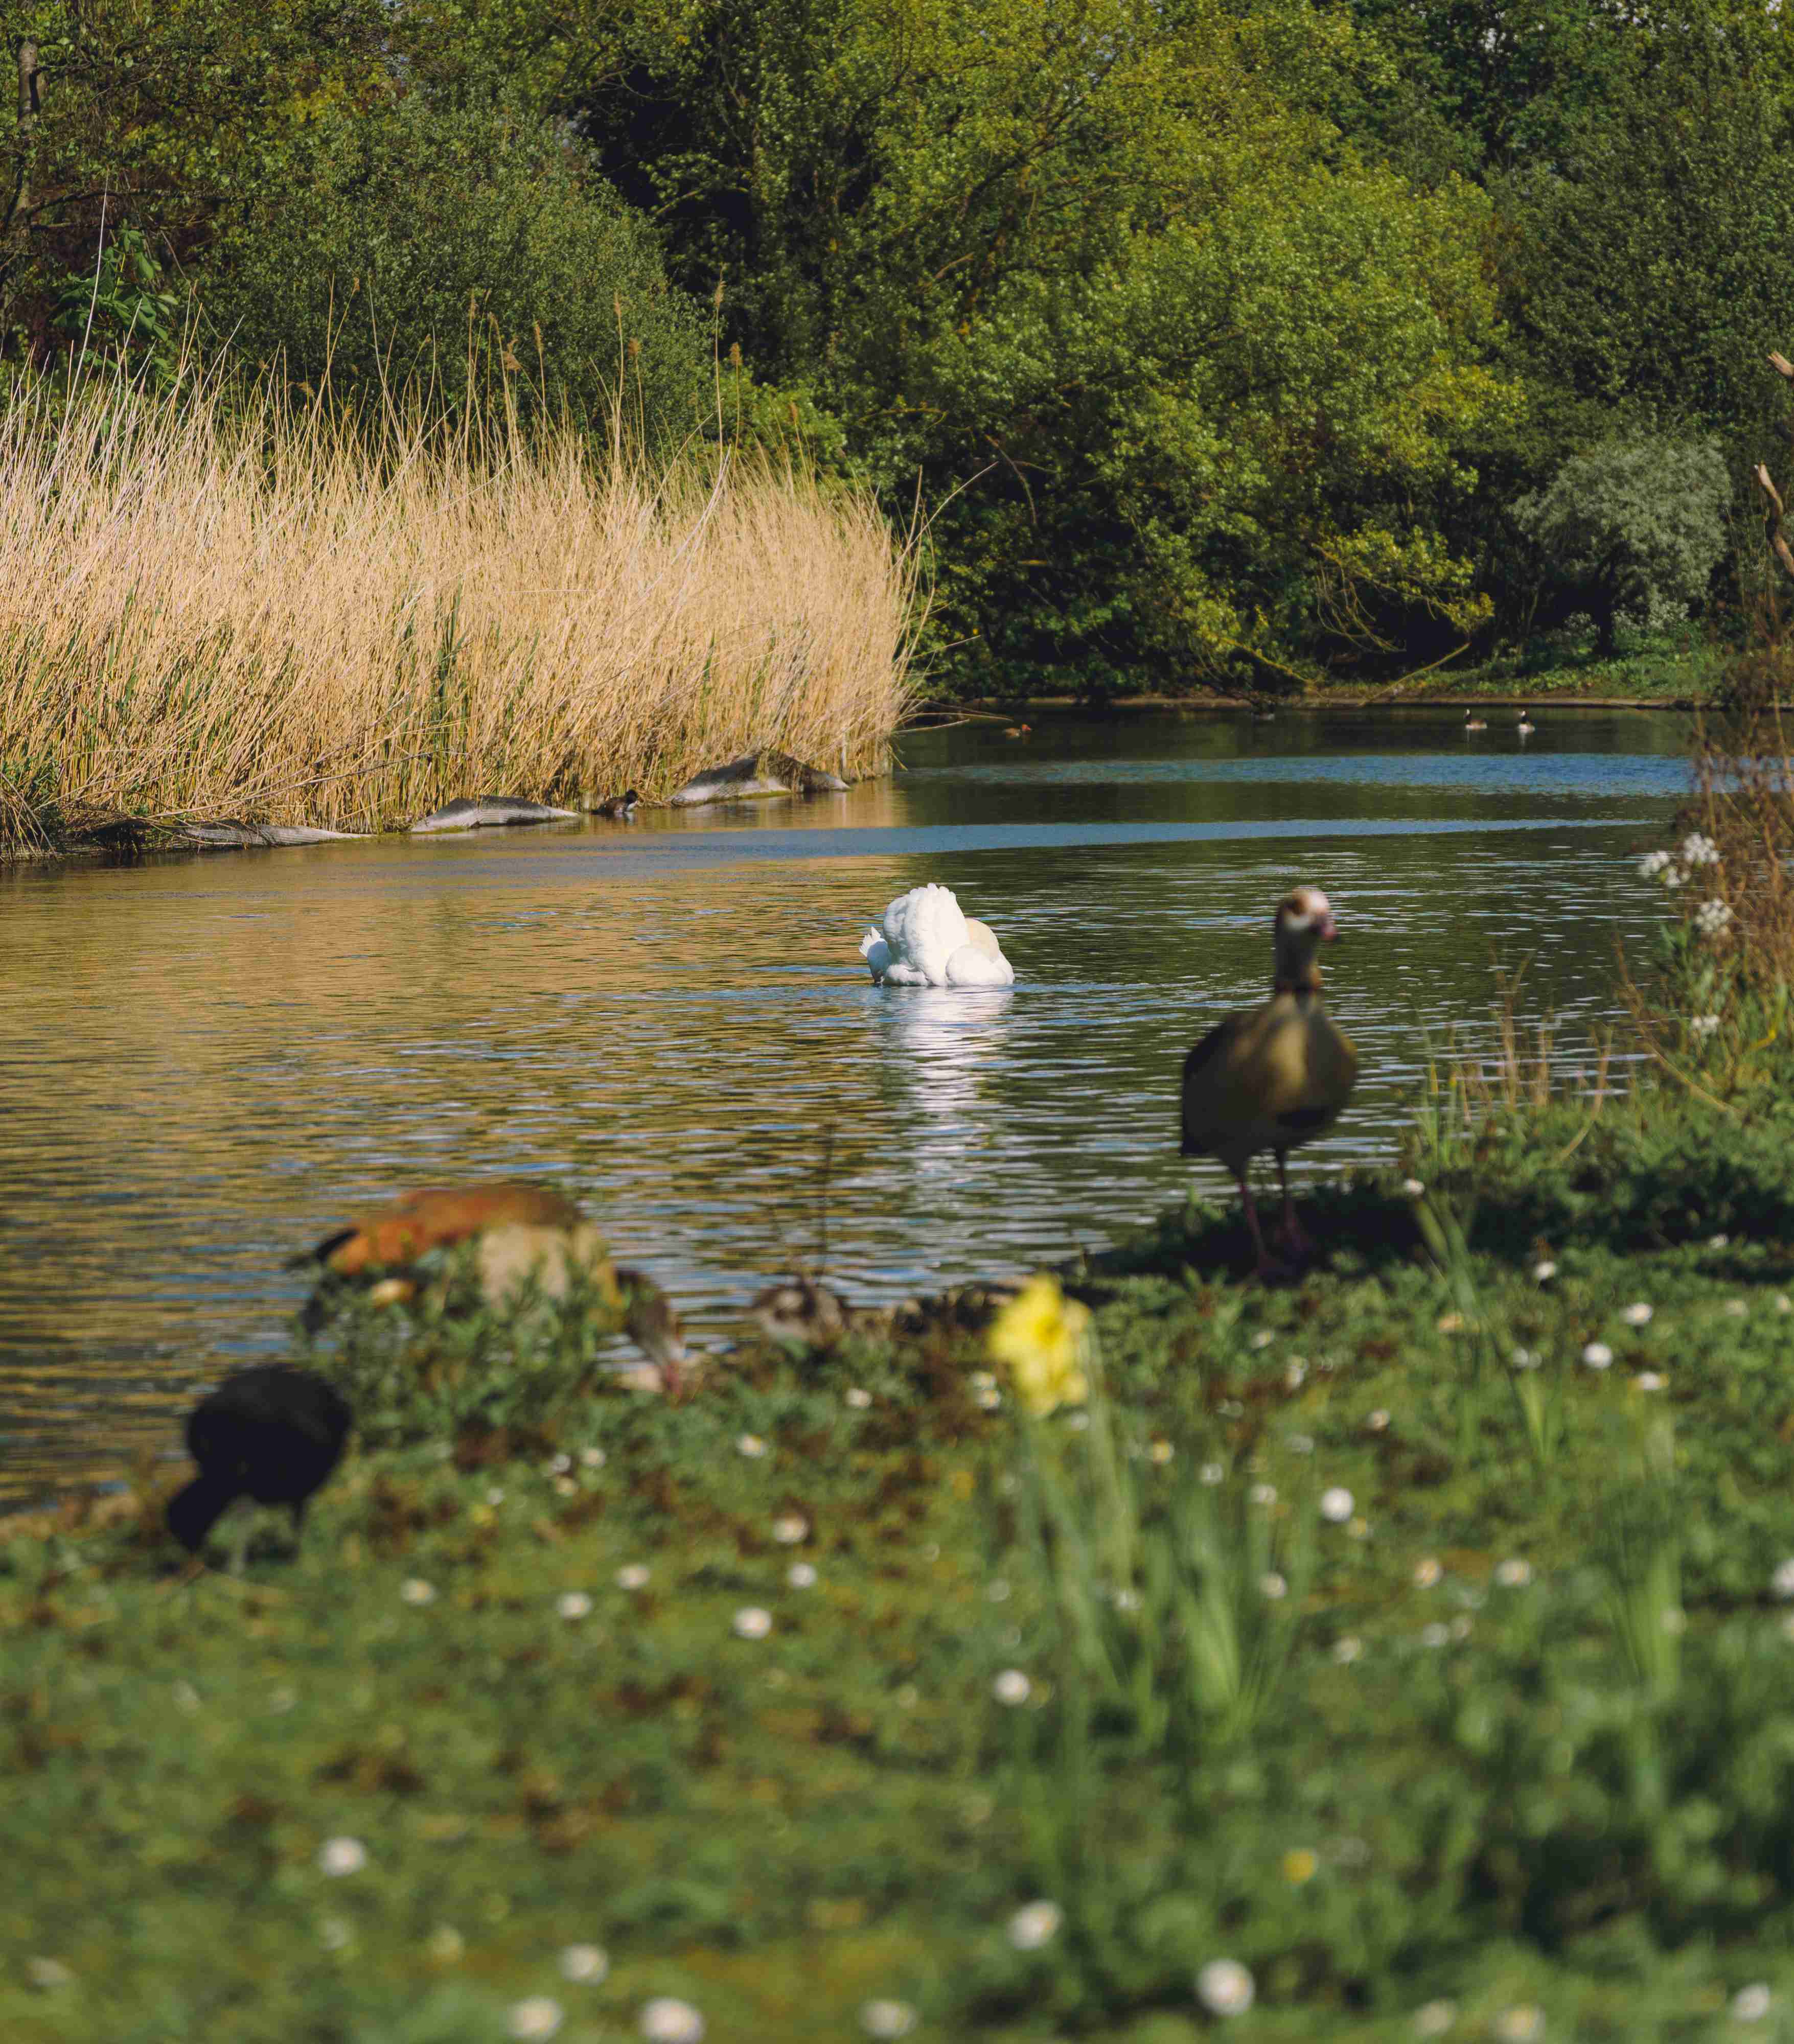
[252,612]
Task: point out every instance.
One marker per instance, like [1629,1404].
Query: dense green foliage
[1634,526]
[1215,338]
[425,243]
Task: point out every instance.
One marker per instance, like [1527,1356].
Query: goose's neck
[1297,971]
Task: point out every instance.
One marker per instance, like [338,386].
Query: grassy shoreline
[1677,671]
[1506,1730]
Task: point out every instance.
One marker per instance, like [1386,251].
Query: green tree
[1634,528]
[436,243]
[1096,279]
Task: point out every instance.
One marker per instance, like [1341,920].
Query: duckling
[520,1233]
[619,809]
[1473,722]
[1017,730]
[1526,724]
[272,1434]
[1276,1076]
[801,1314]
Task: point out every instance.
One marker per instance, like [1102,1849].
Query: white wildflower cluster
[1701,1027]
[1652,864]
[1698,849]
[1712,918]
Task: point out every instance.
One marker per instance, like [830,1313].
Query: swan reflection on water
[938,1050]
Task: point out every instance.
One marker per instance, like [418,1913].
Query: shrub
[1633,528]
[462,246]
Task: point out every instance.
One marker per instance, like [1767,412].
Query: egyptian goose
[273,1434]
[520,1233]
[1473,722]
[925,939]
[620,808]
[1276,1076]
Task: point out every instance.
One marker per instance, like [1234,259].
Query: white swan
[925,939]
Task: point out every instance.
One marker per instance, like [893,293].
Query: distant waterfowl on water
[1526,724]
[620,808]
[1275,1076]
[1473,722]
[271,1434]
[925,939]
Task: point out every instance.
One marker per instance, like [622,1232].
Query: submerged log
[755,774]
[237,837]
[487,812]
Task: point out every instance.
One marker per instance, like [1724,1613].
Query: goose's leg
[1291,1238]
[1267,1268]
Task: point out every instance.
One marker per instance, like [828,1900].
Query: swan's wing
[971,965]
[876,953]
[924,928]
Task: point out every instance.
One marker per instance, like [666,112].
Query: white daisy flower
[1751,2004]
[536,2017]
[859,1398]
[1336,1504]
[887,2018]
[1782,1581]
[1211,1472]
[1413,1187]
[414,1590]
[573,1603]
[341,1856]
[1638,1314]
[592,1458]
[666,2021]
[1263,1493]
[801,1575]
[1225,1987]
[585,1963]
[750,1622]
[1544,1270]
[1524,2025]
[1377,1420]
[1648,1380]
[1426,1573]
[1272,1585]
[1597,1355]
[1035,1924]
[1435,1635]
[1347,1649]
[1434,2019]
[632,1576]
[789,1528]
[751,1446]
[1515,1574]
[1012,1687]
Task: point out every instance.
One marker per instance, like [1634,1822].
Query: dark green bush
[465,248]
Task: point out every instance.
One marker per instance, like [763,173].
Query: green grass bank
[1411,1637]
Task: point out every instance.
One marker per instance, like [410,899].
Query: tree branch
[25,134]
[1778,541]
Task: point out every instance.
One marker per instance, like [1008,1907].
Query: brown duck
[520,1232]
[1276,1076]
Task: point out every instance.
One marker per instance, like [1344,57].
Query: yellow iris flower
[1040,1338]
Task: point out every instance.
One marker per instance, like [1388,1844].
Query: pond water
[209,1061]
